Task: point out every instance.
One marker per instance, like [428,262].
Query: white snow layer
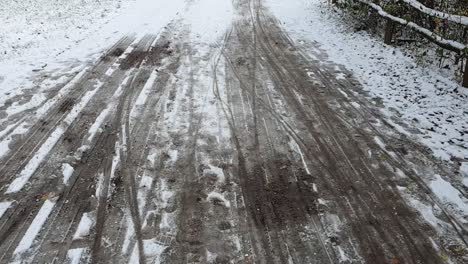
[448,193]
[464,173]
[84,227]
[42,36]
[67,171]
[74,255]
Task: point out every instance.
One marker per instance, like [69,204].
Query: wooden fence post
[465,75]
[389,30]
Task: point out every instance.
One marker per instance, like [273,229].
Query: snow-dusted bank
[431,104]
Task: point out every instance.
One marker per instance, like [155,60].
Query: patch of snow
[428,213]
[3,207]
[173,153]
[143,96]
[115,164]
[464,173]
[167,222]
[4,144]
[34,229]
[82,149]
[74,255]
[211,257]
[67,171]
[380,143]
[220,197]
[95,127]
[84,227]
[447,193]
[152,158]
[35,101]
[464,169]
[128,234]
[146,183]
[7,129]
[294,146]
[355,104]
[340,76]
[166,194]
[342,254]
[384,147]
[218,172]
[209,19]
[343,93]
[153,250]
[99,184]
[236,241]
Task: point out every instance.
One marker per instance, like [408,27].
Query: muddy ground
[247,151]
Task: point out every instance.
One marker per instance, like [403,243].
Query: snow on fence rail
[444,43]
[462,20]
[452,45]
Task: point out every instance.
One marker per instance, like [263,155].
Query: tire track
[349,160]
[15,215]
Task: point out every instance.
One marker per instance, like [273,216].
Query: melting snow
[464,173]
[445,191]
[84,227]
[220,197]
[74,255]
[153,251]
[3,207]
[67,171]
[34,228]
[219,173]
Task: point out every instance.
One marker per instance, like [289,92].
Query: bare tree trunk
[389,30]
[465,75]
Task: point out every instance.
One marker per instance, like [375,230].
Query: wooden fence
[460,48]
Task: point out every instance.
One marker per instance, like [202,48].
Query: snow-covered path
[217,131]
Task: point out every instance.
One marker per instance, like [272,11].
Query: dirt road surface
[170,149]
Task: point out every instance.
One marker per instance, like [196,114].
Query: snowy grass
[28,24]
